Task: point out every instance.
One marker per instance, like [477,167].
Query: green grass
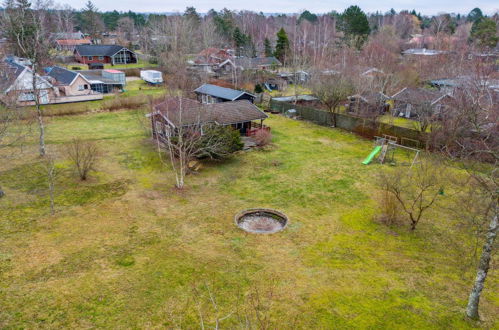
[125,250]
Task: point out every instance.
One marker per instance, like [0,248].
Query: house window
[90,58]
[101,58]
[85,86]
[81,87]
[27,96]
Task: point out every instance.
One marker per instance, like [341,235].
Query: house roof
[255,62]
[73,42]
[423,51]
[212,56]
[98,50]
[418,96]
[371,97]
[9,71]
[62,76]
[67,35]
[220,92]
[95,77]
[193,112]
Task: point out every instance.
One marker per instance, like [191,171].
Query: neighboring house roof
[9,72]
[95,77]
[212,56]
[371,97]
[98,50]
[253,62]
[73,42]
[372,71]
[423,51]
[220,92]
[193,112]
[64,76]
[67,35]
[16,77]
[418,96]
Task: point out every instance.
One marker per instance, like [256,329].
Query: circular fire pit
[261,221]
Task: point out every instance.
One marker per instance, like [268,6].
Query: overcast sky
[291,6]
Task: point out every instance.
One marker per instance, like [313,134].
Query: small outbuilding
[209,93]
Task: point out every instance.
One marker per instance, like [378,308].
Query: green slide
[371,155]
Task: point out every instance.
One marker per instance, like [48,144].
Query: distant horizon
[424,7]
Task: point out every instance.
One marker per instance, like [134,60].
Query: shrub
[262,137]
[83,155]
[389,208]
[258,89]
[219,142]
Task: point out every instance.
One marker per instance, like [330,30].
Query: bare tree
[83,155]
[27,31]
[470,135]
[192,137]
[416,190]
[51,173]
[331,91]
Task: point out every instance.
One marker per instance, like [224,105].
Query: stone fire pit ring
[261,221]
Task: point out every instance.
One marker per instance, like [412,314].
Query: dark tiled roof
[98,50]
[417,95]
[62,76]
[220,92]
[193,112]
[9,71]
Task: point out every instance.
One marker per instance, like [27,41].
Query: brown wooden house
[106,54]
[175,112]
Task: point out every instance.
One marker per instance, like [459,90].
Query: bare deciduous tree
[331,91]
[83,155]
[189,139]
[416,189]
[26,28]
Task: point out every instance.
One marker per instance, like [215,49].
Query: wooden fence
[362,126]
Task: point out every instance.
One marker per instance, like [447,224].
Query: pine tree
[354,24]
[282,45]
[484,33]
[268,48]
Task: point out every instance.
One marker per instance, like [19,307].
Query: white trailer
[151,76]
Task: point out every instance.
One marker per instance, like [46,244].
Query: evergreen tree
[475,15]
[354,24]
[192,15]
[224,21]
[282,45]
[484,33]
[306,15]
[92,22]
[268,47]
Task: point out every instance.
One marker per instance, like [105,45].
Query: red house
[106,54]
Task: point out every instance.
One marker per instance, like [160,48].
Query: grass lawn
[125,250]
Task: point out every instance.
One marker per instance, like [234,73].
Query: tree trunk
[483,268]
[36,94]
[42,129]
